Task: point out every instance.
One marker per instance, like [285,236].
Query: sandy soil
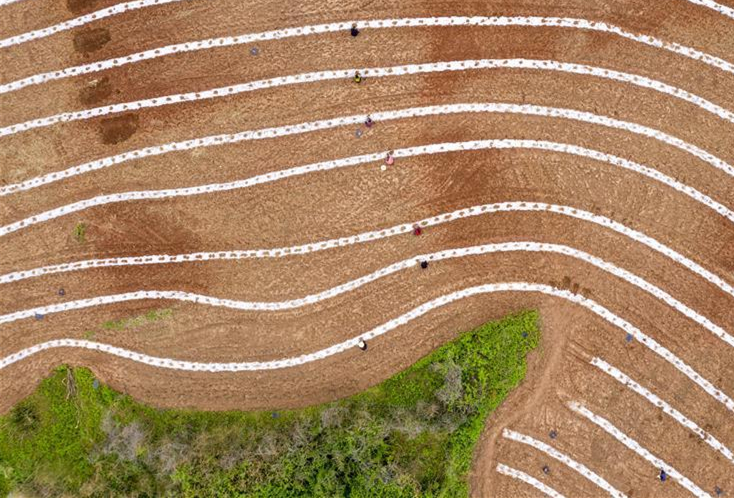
[344,202]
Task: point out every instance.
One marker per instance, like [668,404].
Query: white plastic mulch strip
[278,252]
[498,21]
[637,448]
[373,72]
[80,21]
[412,112]
[522,476]
[565,459]
[623,378]
[355,161]
[721,9]
[389,270]
[421,310]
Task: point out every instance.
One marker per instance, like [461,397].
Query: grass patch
[80,231]
[411,436]
[150,316]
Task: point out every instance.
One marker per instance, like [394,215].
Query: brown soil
[91,40]
[351,200]
[118,129]
[78,6]
[96,91]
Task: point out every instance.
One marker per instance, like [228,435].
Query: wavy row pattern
[413,112]
[354,161]
[630,443]
[589,304]
[168,363]
[374,72]
[519,206]
[498,21]
[623,378]
[565,459]
[352,285]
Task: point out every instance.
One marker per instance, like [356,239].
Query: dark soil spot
[91,40]
[118,129]
[575,288]
[566,282]
[95,91]
[75,6]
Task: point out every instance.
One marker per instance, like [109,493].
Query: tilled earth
[339,203]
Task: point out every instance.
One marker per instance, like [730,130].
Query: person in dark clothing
[362,345]
[354,31]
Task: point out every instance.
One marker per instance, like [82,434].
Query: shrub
[80,231]
[25,418]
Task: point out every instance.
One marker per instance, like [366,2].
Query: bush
[25,418]
[80,231]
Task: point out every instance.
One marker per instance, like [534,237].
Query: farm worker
[389,159]
[368,122]
[424,264]
[354,30]
[362,345]
[417,230]
[357,77]
[663,475]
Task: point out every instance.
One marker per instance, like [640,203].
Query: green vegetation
[80,231]
[151,316]
[412,435]
[130,323]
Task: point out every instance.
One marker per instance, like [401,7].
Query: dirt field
[328,204]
